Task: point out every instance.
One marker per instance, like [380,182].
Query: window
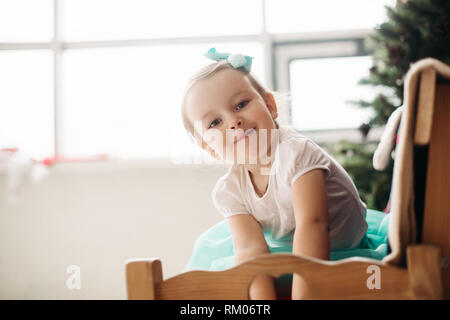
[106,76]
[26,101]
[287,16]
[26,20]
[320,91]
[143,19]
[322,63]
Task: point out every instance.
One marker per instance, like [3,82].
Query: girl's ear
[271,104]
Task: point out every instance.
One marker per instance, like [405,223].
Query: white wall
[96,216]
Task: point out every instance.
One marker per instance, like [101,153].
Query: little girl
[282,181]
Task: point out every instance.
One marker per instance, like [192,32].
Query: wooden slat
[345,279]
[424,120]
[436,225]
[142,276]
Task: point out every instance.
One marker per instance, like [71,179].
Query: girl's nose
[235,124]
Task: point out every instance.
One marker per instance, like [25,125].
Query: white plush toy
[19,169]
[383,153]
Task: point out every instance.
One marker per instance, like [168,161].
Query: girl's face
[230,118]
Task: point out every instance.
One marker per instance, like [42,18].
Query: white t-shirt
[295,155]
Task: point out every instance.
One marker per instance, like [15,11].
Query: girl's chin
[248,158]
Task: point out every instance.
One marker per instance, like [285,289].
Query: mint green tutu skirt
[213,249]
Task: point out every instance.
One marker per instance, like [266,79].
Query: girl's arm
[311,237]
[249,242]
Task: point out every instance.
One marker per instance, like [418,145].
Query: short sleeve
[301,155]
[227,197]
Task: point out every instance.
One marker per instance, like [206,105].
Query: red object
[53,160]
[387,207]
[58,159]
[10,150]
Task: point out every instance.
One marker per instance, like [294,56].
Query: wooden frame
[345,279]
[423,278]
[432,129]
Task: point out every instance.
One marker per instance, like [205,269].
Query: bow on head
[236,60]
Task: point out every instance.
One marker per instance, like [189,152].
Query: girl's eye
[242,104]
[214,123]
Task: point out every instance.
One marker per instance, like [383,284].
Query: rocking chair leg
[142,277]
[425,271]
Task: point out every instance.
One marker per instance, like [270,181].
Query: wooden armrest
[425,105]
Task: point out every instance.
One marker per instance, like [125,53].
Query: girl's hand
[249,242]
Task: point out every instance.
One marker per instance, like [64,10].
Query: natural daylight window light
[286,16]
[26,101]
[134,19]
[86,77]
[126,101]
[320,91]
[26,20]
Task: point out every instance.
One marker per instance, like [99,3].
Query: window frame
[316,45]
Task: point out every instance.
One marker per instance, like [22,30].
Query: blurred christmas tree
[415,29]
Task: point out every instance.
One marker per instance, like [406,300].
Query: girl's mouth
[246,133]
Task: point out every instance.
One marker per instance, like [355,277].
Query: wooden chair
[417,266]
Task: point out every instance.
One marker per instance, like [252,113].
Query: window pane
[126,101]
[320,87]
[26,102]
[284,16]
[133,19]
[26,20]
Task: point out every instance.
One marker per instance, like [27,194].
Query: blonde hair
[207,72]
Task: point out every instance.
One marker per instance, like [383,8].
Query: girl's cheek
[214,138]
